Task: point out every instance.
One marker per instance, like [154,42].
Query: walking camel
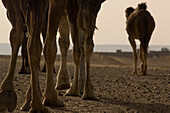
[140,25]
[63,74]
[82,18]
[18,38]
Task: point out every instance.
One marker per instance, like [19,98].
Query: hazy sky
[111,22]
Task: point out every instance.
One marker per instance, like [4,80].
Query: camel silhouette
[140,25]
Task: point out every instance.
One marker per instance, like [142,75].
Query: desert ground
[117,90]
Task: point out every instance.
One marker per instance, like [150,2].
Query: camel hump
[134,12]
[142,6]
[146,17]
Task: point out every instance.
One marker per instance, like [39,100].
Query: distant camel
[82,18]
[140,25]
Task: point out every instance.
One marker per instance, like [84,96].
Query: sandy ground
[117,90]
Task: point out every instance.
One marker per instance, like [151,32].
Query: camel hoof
[63,86]
[89,96]
[44,110]
[53,103]
[8,100]
[25,107]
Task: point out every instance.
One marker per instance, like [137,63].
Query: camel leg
[44,69]
[34,56]
[44,30]
[135,58]
[50,49]
[25,69]
[34,60]
[63,80]
[73,91]
[145,60]
[141,58]
[8,97]
[7,86]
[88,90]
[81,79]
[26,106]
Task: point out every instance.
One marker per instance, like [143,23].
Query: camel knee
[18,32]
[64,27]
[50,50]
[12,38]
[135,57]
[64,41]
[24,47]
[64,44]
[76,54]
[34,48]
[16,38]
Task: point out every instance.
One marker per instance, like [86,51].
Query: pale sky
[111,22]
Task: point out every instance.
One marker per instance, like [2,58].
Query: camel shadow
[140,107]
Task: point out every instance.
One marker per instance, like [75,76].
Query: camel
[18,38]
[82,21]
[140,25]
[82,18]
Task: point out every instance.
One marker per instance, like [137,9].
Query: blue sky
[111,22]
